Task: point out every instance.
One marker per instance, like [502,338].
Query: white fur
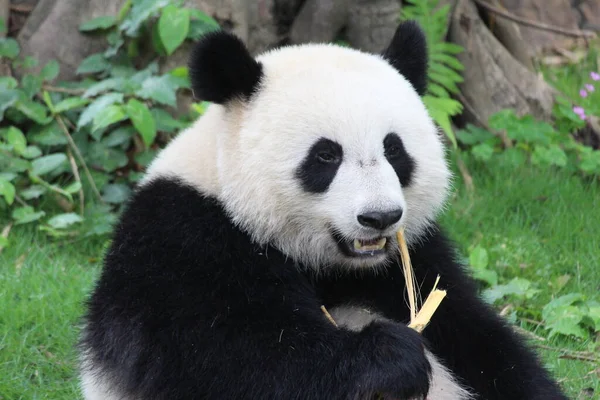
[443,385]
[247,154]
[94,385]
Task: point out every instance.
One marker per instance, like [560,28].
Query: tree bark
[52,32]
[319,21]
[4,15]
[495,80]
[551,12]
[372,23]
[509,34]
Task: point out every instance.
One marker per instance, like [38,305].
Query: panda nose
[380,220]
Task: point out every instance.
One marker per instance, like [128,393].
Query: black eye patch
[399,159]
[320,166]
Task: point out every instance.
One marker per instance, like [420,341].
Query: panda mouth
[362,247]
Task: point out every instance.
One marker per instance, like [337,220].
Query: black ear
[407,53]
[221,68]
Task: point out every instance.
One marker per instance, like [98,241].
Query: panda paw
[397,366]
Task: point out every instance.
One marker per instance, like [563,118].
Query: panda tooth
[373,247]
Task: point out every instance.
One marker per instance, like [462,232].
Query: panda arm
[474,341]
[469,336]
[187,307]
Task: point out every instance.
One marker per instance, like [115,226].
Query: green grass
[542,226]
[538,225]
[42,287]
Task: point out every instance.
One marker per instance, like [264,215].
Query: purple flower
[583,93]
[595,76]
[578,110]
[590,87]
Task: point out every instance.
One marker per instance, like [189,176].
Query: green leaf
[142,120]
[46,164]
[104,22]
[514,156]
[140,12]
[34,111]
[8,98]
[65,220]
[561,302]
[50,70]
[31,85]
[24,215]
[116,193]
[119,136]
[13,164]
[165,122]
[115,41]
[551,155]
[7,176]
[483,151]
[107,116]
[161,89]
[69,104]
[73,187]
[144,158]
[96,106]
[93,64]
[107,158]
[488,276]
[16,139]
[173,27]
[117,84]
[8,82]
[565,320]
[7,190]
[201,24]
[47,135]
[472,135]
[517,287]
[32,192]
[594,314]
[9,48]
[478,258]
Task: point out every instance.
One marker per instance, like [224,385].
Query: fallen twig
[79,156]
[75,170]
[63,90]
[572,354]
[533,24]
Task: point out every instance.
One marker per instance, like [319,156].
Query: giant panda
[285,197]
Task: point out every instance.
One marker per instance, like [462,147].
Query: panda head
[321,151]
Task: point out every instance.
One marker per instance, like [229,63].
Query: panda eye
[327,158]
[393,147]
[393,151]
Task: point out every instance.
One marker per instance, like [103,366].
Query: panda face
[331,156]
[321,151]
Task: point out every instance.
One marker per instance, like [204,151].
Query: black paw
[396,366]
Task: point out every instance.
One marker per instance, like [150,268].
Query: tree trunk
[372,23]
[52,32]
[495,80]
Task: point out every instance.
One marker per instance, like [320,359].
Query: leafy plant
[70,151]
[444,70]
[533,141]
[572,314]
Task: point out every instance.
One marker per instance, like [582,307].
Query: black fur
[398,157]
[320,166]
[188,308]
[221,69]
[407,53]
